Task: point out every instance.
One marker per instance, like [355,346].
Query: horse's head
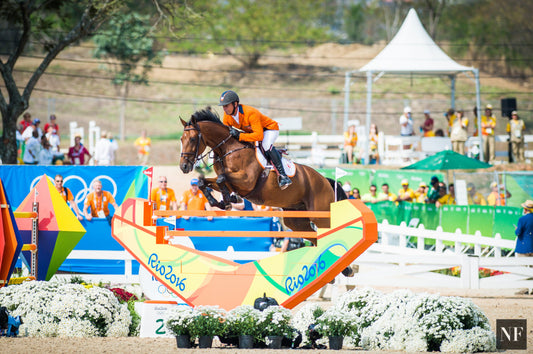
[192,145]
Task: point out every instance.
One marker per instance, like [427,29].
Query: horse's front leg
[205,184]
[227,196]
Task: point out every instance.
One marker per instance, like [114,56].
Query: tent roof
[413,51]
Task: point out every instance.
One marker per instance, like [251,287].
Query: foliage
[66,310]
[180,319]
[244,320]
[276,321]
[236,28]
[48,27]
[208,321]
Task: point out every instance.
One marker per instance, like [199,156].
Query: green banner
[505,220]
[480,218]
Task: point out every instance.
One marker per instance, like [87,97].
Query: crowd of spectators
[436,192]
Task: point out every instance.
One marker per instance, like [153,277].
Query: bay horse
[238,171]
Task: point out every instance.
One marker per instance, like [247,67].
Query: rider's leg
[274,155]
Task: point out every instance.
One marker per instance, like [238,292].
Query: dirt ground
[497,304]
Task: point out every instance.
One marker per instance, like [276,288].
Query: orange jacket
[252,122]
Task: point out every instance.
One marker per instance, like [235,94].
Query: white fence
[326,150]
[396,261]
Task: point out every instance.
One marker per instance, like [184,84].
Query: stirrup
[284,182]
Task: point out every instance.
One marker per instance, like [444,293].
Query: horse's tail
[340,192]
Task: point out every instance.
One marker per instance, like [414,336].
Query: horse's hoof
[234,198]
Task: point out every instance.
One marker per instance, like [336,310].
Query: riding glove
[234,133]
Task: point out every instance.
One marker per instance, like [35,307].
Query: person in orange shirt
[495,198]
[164,197]
[194,199]
[255,126]
[99,201]
[143,144]
[66,194]
[350,142]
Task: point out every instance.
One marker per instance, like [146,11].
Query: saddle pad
[288,165]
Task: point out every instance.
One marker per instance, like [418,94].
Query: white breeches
[269,137]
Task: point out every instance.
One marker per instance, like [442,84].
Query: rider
[256,127]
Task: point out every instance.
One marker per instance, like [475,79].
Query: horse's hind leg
[300,224]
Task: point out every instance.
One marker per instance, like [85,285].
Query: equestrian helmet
[228,97]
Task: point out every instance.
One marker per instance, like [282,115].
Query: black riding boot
[275,157]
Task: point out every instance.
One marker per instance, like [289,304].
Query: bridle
[195,158]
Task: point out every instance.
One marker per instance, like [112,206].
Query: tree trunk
[8,148]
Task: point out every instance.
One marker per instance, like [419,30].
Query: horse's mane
[206,114]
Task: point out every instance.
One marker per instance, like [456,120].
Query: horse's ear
[183,122]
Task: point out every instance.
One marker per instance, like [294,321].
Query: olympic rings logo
[78,184]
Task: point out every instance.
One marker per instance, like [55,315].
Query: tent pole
[368,114]
[347,76]
[453,92]
[478,108]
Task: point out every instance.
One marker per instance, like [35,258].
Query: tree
[246,29]
[127,43]
[51,26]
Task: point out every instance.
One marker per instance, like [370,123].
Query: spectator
[143,144]
[421,193]
[406,123]
[451,193]
[103,151]
[459,133]
[32,149]
[495,198]
[67,196]
[516,128]
[439,132]
[99,201]
[427,127]
[29,130]
[53,139]
[373,156]
[52,123]
[445,198]
[474,197]
[350,142]
[450,118]
[488,124]
[371,197]
[114,147]
[524,231]
[26,120]
[347,189]
[433,192]
[386,194]
[77,153]
[20,142]
[164,197]
[194,199]
[406,194]
[356,194]
[45,155]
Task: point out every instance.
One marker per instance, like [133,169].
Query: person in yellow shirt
[406,194]
[474,197]
[495,198]
[450,117]
[194,199]
[445,198]
[164,197]
[99,201]
[421,193]
[143,144]
[459,133]
[350,142]
[488,124]
[516,128]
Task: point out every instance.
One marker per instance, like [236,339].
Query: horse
[239,172]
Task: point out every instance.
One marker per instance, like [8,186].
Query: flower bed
[50,309]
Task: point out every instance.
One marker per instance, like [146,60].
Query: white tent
[411,51]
